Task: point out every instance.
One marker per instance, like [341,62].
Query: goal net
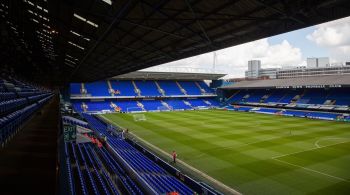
[138,117]
[164,108]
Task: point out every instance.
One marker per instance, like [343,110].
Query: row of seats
[91,176]
[334,96]
[11,123]
[148,105]
[18,101]
[7,95]
[104,159]
[155,176]
[297,113]
[145,87]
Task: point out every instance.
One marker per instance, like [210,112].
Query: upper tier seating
[99,88]
[190,87]
[205,87]
[148,88]
[170,88]
[75,88]
[125,88]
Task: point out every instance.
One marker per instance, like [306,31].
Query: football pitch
[252,153]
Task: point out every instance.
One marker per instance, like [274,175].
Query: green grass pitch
[253,153]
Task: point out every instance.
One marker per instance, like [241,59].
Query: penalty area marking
[232,191]
[316,148]
[311,170]
[329,138]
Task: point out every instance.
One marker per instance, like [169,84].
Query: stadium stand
[18,101]
[309,91]
[141,95]
[125,88]
[148,88]
[150,174]
[29,149]
[326,97]
[170,88]
[99,88]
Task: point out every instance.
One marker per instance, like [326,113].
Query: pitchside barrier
[196,186]
[201,108]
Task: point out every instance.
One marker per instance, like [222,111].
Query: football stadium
[80,113]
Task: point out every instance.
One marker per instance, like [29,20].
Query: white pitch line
[311,170]
[242,145]
[283,155]
[328,138]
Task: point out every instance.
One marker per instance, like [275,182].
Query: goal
[138,117]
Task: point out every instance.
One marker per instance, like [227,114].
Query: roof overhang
[89,40]
[145,75]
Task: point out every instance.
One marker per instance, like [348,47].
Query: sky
[331,39]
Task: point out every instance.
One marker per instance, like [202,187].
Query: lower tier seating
[147,104]
[151,173]
[333,96]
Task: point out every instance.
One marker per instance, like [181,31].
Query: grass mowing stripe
[332,176]
[213,142]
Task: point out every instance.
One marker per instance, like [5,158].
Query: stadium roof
[145,75]
[321,81]
[87,40]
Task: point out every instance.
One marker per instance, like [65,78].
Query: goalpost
[137,113]
[165,108]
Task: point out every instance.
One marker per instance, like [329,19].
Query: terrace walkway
[28,161]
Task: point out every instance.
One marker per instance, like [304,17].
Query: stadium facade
[315,67]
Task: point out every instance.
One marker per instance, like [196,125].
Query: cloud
[333,36]
[233,61]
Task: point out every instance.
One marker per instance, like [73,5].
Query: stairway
[200,88]
[140,105]
[110,88]
[137,90]
[298,97]
[233,95]
[84,107]
[82,89]
[165,104]
[181,89]
[160,90]
[187,103]
[207,102]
